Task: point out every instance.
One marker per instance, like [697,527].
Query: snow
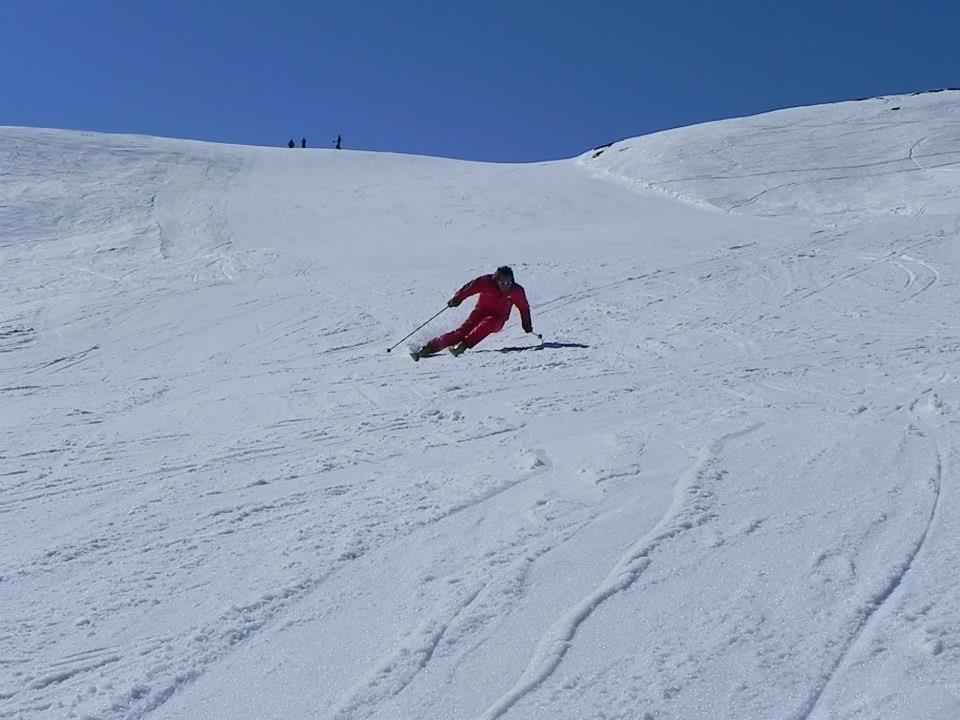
[724,486]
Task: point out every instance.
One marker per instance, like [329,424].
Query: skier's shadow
[541,346]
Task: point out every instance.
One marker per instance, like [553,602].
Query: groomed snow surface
[725,486]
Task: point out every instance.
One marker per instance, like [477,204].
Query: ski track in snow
[222,498]
[874,604]
[690,507]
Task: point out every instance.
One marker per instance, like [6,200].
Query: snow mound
[896,155]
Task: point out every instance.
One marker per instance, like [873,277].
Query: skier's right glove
[453,302]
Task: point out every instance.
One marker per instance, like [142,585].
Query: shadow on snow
[542,346]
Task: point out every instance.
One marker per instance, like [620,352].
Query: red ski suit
[491,313]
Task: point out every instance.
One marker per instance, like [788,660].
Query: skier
[498,294]
[291,143]
[336,143]
[303,143]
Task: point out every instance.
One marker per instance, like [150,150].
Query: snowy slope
[724,487]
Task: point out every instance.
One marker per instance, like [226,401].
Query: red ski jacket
[495,304]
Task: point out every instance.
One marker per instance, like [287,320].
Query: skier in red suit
[498,295]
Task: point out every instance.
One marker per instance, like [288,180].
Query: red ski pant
[473,330]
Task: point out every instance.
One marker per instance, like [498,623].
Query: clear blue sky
[505,80]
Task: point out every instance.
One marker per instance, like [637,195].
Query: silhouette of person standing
[291,143]
[337,143]
[303,142]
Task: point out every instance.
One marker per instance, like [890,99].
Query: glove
[453,302]
[527,329]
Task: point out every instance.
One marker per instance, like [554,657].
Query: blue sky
[478,79]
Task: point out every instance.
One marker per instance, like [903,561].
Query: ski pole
[413,331]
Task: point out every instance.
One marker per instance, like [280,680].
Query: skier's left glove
[528,328]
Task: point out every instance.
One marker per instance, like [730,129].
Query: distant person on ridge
[291,143]
[303,142]
[336,143]
[498,295]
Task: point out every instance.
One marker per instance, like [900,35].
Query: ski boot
[420,352]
